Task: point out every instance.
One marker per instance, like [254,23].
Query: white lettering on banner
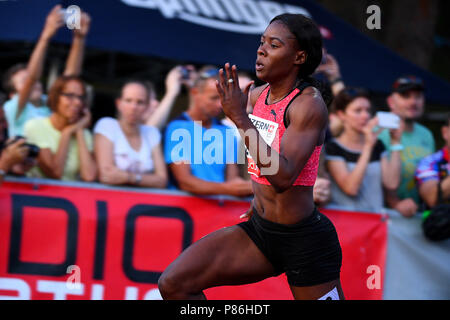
[18,285]
[189,6]
[271,9]
[296,10]
[59,289]
[251,13]
[148,4]
[22,290]
[153,294]
[231,10]
[242,16]
[97,292]
[131,293]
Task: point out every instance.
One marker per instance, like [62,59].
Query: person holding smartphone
[407,100]
[357,160]
[22,81]
[66,145]
[158,112]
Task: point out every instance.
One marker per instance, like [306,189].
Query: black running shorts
[308,251]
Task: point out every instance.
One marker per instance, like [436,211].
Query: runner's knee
[172,286]
[168,286]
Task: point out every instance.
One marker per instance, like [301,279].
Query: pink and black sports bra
[269,120]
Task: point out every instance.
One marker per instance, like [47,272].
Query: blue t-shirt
[434,167]
[207,150]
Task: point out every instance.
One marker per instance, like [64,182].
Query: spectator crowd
[364,166]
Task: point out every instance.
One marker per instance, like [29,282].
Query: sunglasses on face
[73,96]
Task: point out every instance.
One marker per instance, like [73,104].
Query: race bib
[267,130]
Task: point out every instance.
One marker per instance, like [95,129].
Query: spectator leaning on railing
[356,160]
[65,142]
[433,173]
[127,151]
[22,82]
[14,155]
[407,100]
[201,155]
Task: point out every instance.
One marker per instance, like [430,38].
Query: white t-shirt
[125,157]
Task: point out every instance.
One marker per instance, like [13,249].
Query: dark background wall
[418,30]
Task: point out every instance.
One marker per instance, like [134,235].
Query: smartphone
[388,120]
[185,73]
[64,14]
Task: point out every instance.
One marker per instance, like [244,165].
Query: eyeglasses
[73,96]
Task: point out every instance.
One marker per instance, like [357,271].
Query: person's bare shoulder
[256,92]
[309,109]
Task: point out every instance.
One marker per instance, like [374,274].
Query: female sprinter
[285,232]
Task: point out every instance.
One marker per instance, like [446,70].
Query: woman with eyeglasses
[127,151]
[65,143]
[284,135]
[357,160]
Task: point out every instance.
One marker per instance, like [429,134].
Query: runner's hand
[249,212]
[233,99]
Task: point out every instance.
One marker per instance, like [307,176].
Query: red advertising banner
[72,242]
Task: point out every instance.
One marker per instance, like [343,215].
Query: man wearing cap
[407,100]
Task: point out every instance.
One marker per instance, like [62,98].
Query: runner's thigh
[225,257]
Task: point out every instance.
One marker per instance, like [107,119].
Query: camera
[33,150]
